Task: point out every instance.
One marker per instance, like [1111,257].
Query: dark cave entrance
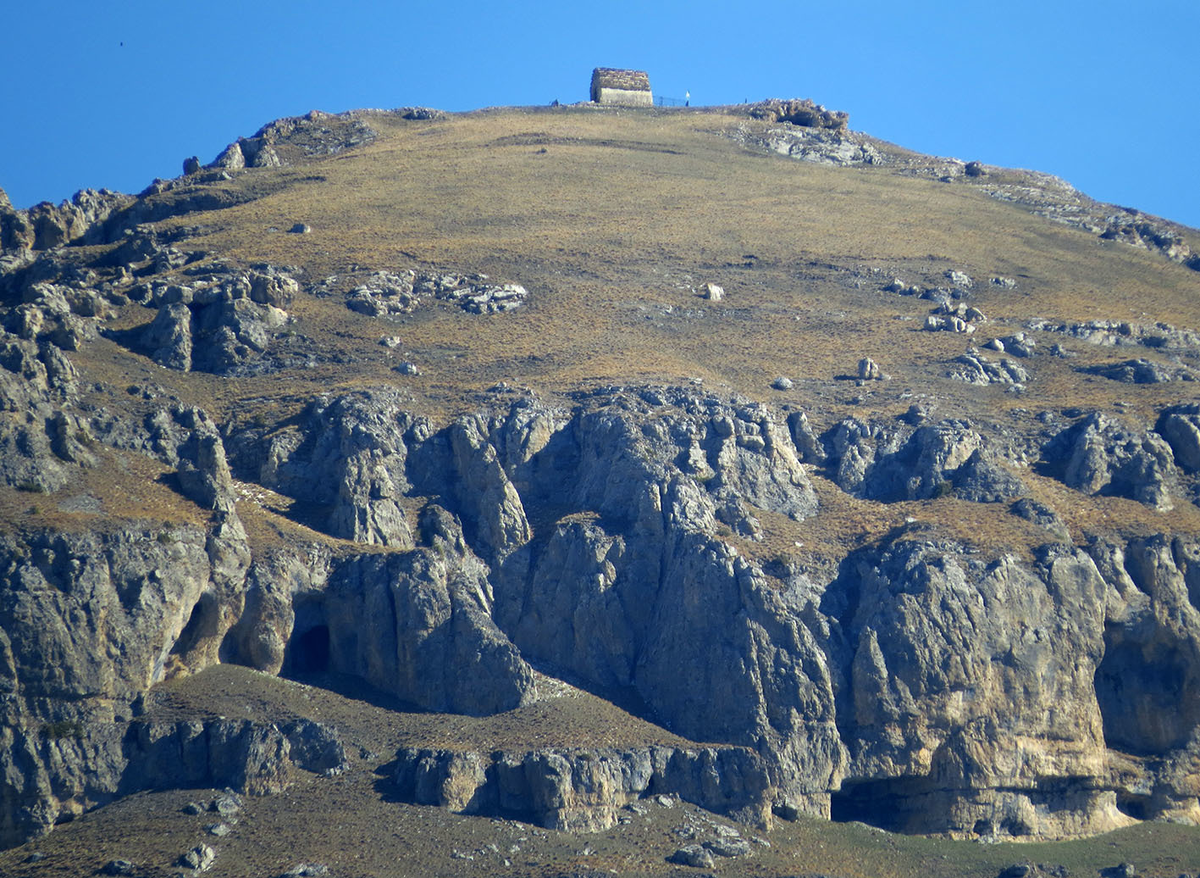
[1142,691]
[884,804]
[1137,807]
[309,651]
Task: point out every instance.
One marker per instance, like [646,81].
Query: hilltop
[678,478]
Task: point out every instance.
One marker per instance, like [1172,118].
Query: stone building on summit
[629,88]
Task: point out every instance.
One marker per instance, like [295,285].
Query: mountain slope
[865,482]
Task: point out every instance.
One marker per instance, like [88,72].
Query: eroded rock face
[60,771]
[583,789]
[419,625]
[95,616]
[222,324]
[1180,426]
[920,685]
[953,670]
[351,458]
[46,226]
[1101,455]
[891,463]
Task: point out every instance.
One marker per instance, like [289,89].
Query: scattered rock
[1019,345]
[981,480]
[868,370]
[1004,283]
[712,292]
[966,312]
[1121,333]
[1140,371]
[118,867]
[193,808]
[1040,514]
[385,294]
[191,166]
[782,383]
[227,805]
[198,859]
[899,286]
[817,145]
[729,847]
[918,413]
[974,169]
[488,298]
[1124,870]
[300,229]
[935,323]
[693,855]
[312,870]
[960,279]
[220,830]
[421,114]
[979,370]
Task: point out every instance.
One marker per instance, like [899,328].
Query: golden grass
[610,218]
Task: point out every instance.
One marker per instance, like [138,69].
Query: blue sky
[1104,94]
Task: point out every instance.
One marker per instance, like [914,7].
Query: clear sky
[1104,93]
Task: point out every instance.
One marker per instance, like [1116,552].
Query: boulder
[198,859]
[694,855]
[868,370]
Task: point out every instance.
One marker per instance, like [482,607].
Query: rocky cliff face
[637,539]
[922,687]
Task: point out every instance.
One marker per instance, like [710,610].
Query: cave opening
[1141,688]
[309,652]
[884,804]
[1132,805]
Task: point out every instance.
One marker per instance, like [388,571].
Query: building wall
[624,97]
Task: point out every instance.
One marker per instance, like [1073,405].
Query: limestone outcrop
[583,789]
[1100,454]
[59,770]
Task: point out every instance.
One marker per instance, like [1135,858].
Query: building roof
[627,80]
